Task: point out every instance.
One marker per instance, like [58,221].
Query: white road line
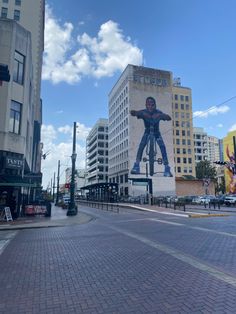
[157,212]
[6,237]
[181,256]
[166,222]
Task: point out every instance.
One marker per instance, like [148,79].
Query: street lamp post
[72,210]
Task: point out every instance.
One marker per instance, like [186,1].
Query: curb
[207,215]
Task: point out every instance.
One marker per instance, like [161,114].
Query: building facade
[21,45]
[200,144]
[183,130]
[141,132]
[213,149]
[97,153]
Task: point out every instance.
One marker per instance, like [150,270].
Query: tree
[204,170]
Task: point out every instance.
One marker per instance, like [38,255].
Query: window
[176,106]
[183,132]
[179,169]
[177,132]
[182,115]
[15,117]
[176,97]
[186,98]
[4,13]
[187,107]
[177,123]
[176,115]
[5,1]
[17,2]
[181,97]
[182,106]
[177,141]
[19,61]
[183,142]
[16,15]
[178,160]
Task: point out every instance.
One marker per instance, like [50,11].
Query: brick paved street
[132,262]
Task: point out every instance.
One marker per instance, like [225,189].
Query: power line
[205,111]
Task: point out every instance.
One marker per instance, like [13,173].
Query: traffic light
[4,73]
[220,162]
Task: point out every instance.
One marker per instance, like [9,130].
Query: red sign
[67,185]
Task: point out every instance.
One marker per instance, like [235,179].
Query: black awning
[100,185]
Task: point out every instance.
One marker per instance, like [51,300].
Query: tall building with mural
[229,156]
[141,132]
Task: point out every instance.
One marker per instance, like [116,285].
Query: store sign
[14,163]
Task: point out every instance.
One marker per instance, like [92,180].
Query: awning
[18,181]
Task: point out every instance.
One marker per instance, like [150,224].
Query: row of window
[183,124]
[120,167]
[182,115]
[183,151]
[183,141]
[16,15]
[119,138]
[120,179]
[181,97]
[118,158]
[185,169]
[183,160]
[183,132]
[17,2]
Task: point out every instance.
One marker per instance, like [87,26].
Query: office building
[97,153]
[183,130]
[132,126]
[213,149]
[200,144]
[21,45]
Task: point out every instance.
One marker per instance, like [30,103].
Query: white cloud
[97,57]
[61,150]
[81,131]
[233,128]
[220,125]
[212,111]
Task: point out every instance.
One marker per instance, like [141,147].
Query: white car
[230,200]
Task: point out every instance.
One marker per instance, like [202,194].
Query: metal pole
[58,182]
[234,142]
[72,208]
[53,188]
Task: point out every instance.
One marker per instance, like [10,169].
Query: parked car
[230,200]
[206,199]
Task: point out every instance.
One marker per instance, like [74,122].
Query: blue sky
[89,43]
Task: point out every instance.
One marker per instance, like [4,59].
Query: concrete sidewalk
[58,218]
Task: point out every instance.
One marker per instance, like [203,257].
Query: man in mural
[231,171]
[151,118]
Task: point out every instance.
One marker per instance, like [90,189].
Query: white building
[200,144]
[97,153]
[213,149]
[129,164]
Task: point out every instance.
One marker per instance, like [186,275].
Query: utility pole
[72,210]
[58,182]
[53,188]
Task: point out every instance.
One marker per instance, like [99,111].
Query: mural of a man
[231,171]
[151,118]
